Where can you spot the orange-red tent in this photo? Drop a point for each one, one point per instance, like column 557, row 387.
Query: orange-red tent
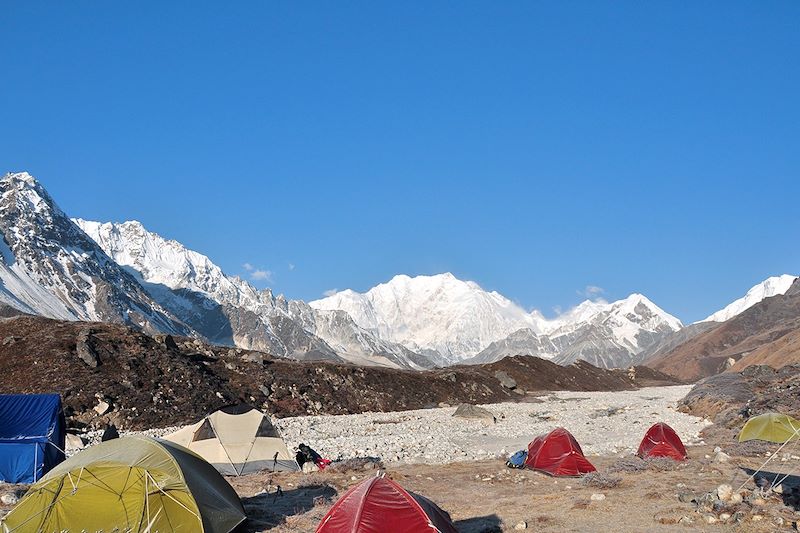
column 558, row 454
column 379, row 505
column 662, row 441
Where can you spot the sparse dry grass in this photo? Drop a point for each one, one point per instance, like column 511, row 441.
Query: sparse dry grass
column 600, row 480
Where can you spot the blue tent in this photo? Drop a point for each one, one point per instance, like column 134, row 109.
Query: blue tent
column 32, row 434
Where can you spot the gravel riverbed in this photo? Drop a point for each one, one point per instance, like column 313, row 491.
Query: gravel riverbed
column 603, row 422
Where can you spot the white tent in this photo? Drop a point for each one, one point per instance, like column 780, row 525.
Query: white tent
column 237, row 440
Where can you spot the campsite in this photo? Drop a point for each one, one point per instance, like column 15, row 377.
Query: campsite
column 399, row 267
column 649, row 481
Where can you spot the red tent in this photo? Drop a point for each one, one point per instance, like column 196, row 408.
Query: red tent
column 662, row 441
column 379, row 505
column 558, row 454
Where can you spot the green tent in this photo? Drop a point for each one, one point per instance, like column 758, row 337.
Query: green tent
column 134, row 484
column 771, row 427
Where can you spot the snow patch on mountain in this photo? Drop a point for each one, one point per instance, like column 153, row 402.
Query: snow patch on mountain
column 769, row 287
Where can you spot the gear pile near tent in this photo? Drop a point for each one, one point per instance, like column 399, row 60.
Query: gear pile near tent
column 558, row 453
column 662, row 441
column 379, row 505
column 770, row 427
column 32, row 435
column 129, row 484
column 237, row 440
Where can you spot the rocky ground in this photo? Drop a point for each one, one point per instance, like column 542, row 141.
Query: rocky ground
column 110, row 373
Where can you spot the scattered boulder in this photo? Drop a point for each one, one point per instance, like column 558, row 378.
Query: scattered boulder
column 598, row 497
column 466, row 410
column 254, row 357
column 725, row 492
column 74, row 442
column 85, row 350
column 505, row 380
column 721, row 457
column 170, row 344
column 9, row 498
column 102, row 407
column 521, row 525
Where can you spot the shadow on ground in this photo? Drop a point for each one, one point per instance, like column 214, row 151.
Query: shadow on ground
column 790, row 485
column 268, row 510
column 480, row 524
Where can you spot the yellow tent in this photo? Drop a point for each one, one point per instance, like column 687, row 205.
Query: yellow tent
column 771, row 427
column 134, row 484
column 237, row 440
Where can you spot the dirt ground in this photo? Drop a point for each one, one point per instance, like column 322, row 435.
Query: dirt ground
column 486, row 496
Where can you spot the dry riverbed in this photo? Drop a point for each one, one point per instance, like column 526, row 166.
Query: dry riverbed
column 605, row 423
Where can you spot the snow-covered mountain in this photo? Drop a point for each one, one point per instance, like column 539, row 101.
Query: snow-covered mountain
column 767, row 288
column 608, row 335
column 52, row 268
column 227, row 309
column 438, row 314
column 464, row 323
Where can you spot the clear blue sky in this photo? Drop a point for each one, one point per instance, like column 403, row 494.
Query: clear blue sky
column 533, row 147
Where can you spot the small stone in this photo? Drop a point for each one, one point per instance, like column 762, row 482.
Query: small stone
column 520, row 526
column 724, row 517
column 353, row 478
column 736, row 498
column 757, row 518
column 686, row 520
column 9, row 499
column 724, row 492
column 102, row 407
column 710, row 519
column 722, row 457
column 778, row 489
column 759, row 502
column 597, row 497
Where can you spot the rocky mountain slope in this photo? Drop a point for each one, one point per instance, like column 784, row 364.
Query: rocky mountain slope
column 139, row 381
column 50, row 267
column 766, row 332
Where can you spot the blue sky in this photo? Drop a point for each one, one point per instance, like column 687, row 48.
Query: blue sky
column 536, row 148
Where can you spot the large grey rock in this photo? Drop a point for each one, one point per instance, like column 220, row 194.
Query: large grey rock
column 85, row 350
column 466, row 410
column 505, row 380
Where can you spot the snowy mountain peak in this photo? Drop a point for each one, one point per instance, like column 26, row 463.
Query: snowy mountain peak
column 51, row 267
column 769, row 287
column 438, row 313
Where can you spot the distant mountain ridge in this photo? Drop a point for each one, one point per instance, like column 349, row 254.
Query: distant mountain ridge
column 121, row 272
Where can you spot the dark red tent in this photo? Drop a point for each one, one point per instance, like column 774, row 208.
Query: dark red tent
column 662, row 441
column 558, row 454
column 379, row 505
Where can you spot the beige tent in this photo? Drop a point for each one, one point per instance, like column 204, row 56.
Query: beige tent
column 237, row 440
